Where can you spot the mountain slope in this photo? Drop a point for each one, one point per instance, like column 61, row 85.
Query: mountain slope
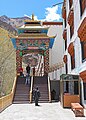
column 15, row 22
column 11, row 24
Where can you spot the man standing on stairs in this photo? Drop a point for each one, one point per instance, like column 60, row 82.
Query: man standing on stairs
column 27, row 81
column 36, row 95
column 28, row 69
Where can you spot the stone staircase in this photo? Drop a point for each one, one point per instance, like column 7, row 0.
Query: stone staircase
column 42, row 83
column 21, row 92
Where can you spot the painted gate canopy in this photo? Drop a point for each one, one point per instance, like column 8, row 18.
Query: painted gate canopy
column 31, row 59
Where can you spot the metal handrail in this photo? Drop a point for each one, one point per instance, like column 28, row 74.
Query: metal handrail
column 14, row 87
column 31, row 89
column 49, row 89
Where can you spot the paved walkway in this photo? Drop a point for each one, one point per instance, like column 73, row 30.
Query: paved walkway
column 46, row 111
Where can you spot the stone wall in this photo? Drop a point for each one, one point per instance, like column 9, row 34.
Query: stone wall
column 7, row 63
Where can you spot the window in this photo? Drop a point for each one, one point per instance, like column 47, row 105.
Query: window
column 71, row 30
column 76, row 88
column 65, row 44
column 84, row 84
column 72, row 61
column 71, row 87
column 82, row 6
column 67, row 86
column 66, row 68
column 65, row 23
column 83, row 45
column 70, row 3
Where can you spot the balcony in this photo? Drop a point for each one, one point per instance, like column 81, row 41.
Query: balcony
column 71, row 49
column 83, row 5
column 83, row 76
column 71, row 17
column 70, row 3
column 64, row 10
column 65, row 34
column 65, row 58
column 82, row 30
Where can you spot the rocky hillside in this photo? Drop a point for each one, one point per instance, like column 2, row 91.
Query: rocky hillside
column 7, row 52
column 7, row 63
column 15, row 22
column 11, row 24
column 8, row 27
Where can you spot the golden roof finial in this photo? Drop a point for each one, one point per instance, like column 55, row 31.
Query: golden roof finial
column 32, row 16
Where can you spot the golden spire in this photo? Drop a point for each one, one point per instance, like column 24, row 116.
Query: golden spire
column 32, row 16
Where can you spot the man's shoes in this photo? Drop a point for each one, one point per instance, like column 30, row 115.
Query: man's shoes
column 37, row 105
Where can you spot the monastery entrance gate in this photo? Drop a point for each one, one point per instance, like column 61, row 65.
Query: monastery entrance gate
column 27, row 46
column 32, row 37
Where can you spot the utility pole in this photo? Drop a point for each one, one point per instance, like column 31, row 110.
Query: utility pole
column 58, row 3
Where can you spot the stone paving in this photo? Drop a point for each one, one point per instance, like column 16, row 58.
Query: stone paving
column 46, row 111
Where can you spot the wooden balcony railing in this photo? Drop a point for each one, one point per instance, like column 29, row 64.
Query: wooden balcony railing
column 70, row 3
column 82, row 30
column 64, row 10
column 71, row 17
column 83, row 6
column 71, row 49
column 83, row 75
column 5, row 101
column 65, row 58
column 65, row 34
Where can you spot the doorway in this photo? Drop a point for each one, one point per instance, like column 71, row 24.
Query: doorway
column 84, row 84
column 55, row 90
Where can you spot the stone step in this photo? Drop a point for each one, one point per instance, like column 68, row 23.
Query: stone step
column 21, row 99
column 19, row 96
column 21, row 102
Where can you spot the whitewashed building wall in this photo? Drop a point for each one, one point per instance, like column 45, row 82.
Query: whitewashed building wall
column 56, row 53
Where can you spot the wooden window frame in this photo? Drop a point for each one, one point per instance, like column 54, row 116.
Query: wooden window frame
column 71, row 30
column 83, row 46
column 66, row 68
column 65, row 24
column 72, row 61
column 65, row 44
column 70, row 3
column 82, row 6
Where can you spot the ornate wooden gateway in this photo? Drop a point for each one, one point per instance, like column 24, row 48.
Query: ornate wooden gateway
column 32, row 38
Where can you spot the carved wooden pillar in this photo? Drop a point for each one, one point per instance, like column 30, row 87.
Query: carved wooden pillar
column 18, row 61
column 18, row 58
column 46, row 62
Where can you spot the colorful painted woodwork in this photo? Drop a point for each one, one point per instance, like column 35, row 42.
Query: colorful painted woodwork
column 33, row 38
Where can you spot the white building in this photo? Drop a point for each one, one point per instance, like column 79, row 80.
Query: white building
column 56, row 52
column 74, row 34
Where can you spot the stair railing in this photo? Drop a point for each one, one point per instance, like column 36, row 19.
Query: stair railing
column 31, row 89
column 6, row 101
column 49, row 89
column 14, row 88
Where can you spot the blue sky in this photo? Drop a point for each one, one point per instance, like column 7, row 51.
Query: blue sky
column 42, row 9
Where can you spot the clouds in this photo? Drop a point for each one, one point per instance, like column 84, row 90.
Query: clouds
column 51, row 14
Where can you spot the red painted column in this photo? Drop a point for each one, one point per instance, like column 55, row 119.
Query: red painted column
column 18, row 61
column 46, row 62
column 18, row 58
